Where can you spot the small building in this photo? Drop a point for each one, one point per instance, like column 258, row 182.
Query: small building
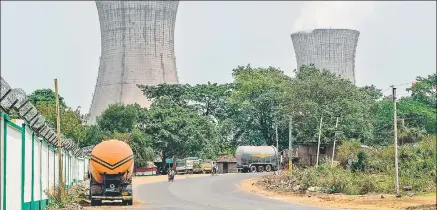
column 226, row 164
column 305, row 153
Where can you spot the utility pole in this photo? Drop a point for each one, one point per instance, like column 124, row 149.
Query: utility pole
column 290, row 146
column 396, row 142
column 318, row 144
column 335, row 139
column 277, row 146
column 58, row 126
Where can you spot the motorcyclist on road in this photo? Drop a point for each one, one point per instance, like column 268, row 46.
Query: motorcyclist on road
column 171, row 174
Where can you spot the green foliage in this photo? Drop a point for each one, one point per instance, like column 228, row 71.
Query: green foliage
column 419, row 119
column 346, row 150
column 121, row 118
column 318, row 93
column 179, row 131
column 176, row 93
column 361, row 163
column 47, row 96
column 424, row 90
column 373, row 92
column 256, row 103
column 44, row 101
column 211, row 99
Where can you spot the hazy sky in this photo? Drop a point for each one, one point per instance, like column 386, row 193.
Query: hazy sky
column 41, row 41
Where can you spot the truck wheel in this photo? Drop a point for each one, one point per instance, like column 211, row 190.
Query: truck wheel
column 260, row 168
column 96, row 202
column 253, row 169
column 268, row 168
column 127, row 202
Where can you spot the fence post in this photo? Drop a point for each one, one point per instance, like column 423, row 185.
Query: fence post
column 32, row 180
column 4, row 159
column 23, row 163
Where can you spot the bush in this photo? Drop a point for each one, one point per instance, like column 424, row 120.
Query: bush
column 71, row 196
column 346, row 149
column 372, row 172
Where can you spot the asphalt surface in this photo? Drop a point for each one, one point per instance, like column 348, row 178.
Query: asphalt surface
column 210, row 192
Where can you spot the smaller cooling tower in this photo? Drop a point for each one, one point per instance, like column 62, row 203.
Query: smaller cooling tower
column 330, row 49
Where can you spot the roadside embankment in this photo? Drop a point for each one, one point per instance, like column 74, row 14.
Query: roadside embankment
column 335, row 201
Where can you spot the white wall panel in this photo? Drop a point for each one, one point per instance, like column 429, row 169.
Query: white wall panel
column 13, row 168
column 44, row 170
column 37, row 171
column 28, row 167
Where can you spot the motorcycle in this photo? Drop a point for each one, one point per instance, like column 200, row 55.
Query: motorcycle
column 171, row 176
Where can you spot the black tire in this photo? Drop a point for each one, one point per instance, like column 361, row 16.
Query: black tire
column 126, row 202
column 260, row 168
column 96, row 202
column 268, row 168
column 253, row 169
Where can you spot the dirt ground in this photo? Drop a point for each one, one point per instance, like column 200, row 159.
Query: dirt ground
column 137, row 181
column 389, row 202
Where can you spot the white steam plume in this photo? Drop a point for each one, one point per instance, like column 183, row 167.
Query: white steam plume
column 335, row 14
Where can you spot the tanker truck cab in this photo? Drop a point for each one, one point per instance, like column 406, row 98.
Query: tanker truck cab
column 111, row 169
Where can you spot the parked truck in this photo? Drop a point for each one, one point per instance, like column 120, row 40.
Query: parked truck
column 202, row 166
column 257, row 158
column 110, row 172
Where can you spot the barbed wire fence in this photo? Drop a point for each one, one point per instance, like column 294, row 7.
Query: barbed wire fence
column 17, row 100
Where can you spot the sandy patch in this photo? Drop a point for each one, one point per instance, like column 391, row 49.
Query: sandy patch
column 371, row 202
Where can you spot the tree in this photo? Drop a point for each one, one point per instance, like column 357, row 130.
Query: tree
column 316, row 93
column 93, row 135
column 372, row 92
column 177, row 93
column 210, row 99
column 256, row 103
column 424, row 90
column 47, row 96
column 415, row 119
column 44, row 101
column 121, row 118
column 179, row 131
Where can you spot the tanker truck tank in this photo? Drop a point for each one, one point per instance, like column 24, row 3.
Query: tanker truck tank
column 257, row 158
column 110, row 171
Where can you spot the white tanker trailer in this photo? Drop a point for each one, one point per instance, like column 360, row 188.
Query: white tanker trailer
column 257, row 158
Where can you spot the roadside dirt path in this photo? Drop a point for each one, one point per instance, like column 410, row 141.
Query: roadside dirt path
column 371, row 202
column 138, row 181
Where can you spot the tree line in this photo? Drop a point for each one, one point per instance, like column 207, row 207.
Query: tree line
column 204, row 120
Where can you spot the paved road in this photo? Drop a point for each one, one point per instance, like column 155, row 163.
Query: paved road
column 211, row 192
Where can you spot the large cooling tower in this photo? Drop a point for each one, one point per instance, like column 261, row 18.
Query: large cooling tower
column 137, row 39
column 331, row 49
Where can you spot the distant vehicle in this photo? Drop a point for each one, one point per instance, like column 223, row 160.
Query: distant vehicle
column 202, row 166
column 257, row 158
column 110, row 171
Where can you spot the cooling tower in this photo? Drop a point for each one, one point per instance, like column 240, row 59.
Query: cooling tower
column 330, row 49
column 137, row 47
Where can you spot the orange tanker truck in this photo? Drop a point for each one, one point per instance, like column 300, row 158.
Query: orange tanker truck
column 110, row 172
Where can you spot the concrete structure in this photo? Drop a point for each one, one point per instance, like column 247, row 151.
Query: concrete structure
column 137, row 39
column 331, row 49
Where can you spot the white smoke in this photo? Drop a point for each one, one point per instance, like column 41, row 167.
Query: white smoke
column 335, row 14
